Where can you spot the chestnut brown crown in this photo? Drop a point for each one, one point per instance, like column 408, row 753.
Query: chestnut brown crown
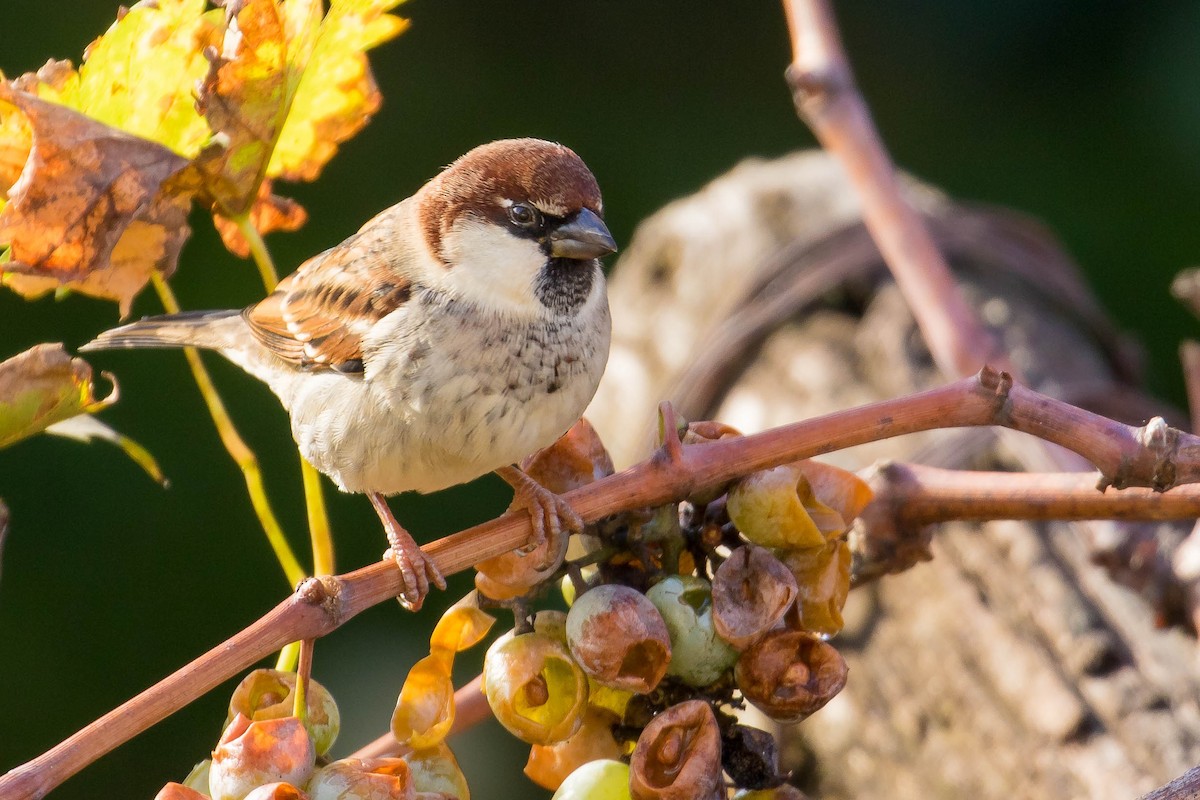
column 484, row 181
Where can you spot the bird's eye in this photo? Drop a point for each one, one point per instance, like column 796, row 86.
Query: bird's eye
column 524, row 216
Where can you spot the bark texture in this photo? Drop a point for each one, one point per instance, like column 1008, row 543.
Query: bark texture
column 1011, row 665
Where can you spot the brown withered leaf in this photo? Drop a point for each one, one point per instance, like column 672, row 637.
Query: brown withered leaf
column 270, row 212
column 94, row 209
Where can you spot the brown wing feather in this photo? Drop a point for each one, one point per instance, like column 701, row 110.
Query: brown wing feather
column 318, row 316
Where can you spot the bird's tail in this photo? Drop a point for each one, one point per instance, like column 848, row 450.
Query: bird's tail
column 210, row 329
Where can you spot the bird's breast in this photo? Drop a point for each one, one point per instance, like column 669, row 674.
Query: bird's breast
column 450, row 394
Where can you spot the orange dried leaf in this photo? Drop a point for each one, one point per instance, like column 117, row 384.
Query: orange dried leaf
column 94, row 209
column 270, row 212
column 550, row 764
column 177, row 791
column 425, row 709
column 284, row 88
column 42, row 386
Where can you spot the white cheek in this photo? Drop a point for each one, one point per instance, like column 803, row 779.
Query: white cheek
column 493, row 267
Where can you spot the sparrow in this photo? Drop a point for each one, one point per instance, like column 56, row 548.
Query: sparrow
column 457, row 332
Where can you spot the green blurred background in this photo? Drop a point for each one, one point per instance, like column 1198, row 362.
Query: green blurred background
column 1086, row 115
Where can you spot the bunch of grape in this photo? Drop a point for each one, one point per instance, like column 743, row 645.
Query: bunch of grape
column 677, row 617
column 267, row 752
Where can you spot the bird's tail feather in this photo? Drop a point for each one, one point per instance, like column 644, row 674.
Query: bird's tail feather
column 187, row 329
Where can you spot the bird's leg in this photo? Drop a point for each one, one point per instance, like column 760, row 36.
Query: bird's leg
column 416, row 569
column 549, row 512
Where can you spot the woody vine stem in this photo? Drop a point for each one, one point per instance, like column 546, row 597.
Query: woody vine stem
column 1154, row 456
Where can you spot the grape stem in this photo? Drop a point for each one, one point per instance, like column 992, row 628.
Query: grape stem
column 1154, row 456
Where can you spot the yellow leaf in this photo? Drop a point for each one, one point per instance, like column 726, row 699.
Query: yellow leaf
column 140, row 76
column 244, row 99
column 85, row 428
column 335, row 94
column 42, row 386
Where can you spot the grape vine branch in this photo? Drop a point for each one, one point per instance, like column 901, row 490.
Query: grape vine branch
column 1155, row 456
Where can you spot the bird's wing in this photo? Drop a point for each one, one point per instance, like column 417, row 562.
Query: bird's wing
column 319, row 315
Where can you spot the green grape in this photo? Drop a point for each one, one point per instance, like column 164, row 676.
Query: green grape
column 596, row 780
column 699, row 656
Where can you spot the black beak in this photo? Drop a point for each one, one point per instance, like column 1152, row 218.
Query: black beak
column 584, row 237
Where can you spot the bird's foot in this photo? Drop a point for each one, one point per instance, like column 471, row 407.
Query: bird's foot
column 550, row 513
column 417, row 570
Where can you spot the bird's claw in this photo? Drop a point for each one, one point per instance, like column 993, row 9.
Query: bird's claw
column 549, row 513
column 417, row 572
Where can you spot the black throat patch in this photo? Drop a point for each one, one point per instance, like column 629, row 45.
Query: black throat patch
column 563, row 285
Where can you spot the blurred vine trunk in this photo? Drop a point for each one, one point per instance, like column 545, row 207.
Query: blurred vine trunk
column 1011, row 665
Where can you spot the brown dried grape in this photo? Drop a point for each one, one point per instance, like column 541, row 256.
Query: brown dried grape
column 843, row 491
column 251, row 754
column 790, row 674
column 363, row 779
column 678, row 755
column 549, row 765
column 270, row 694
column 823, row 577
column 750, row 757
column 751, row 592
column 576, row 459
column 619, row 638
column 535, row 689
column 435, row 770
column 700, row 433
column 516, row 572
column 776, row 508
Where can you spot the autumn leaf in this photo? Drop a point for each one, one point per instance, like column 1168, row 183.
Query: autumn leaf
column 270, row 212
column 42, row 386
column 285, row 87
column 336, row 94
column 94, row 209
column 45, row 390
column 244, row 99
column 140, row 76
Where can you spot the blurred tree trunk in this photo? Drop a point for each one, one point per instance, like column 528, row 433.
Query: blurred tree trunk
column 1009, row 666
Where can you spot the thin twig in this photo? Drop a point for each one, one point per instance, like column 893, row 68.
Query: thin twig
column 1154, row 455
column 319, row 532
column 829, row 102
column 241, row 453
